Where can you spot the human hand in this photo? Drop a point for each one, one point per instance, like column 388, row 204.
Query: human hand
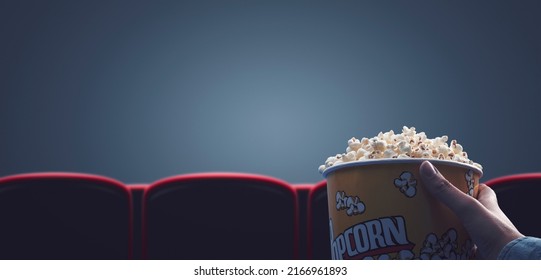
column 487, row 225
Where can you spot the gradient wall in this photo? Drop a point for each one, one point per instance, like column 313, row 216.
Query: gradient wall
column 140, row 90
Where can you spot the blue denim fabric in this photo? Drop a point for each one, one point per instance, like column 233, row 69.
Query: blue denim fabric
column 524, row 248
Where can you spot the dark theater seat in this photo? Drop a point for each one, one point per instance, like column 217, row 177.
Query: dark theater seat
column 220, row 216
column 64, row 216
column 302, row 200
column 319, row 244
column 519, row 197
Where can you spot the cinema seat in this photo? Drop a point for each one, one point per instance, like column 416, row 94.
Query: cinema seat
column 137, row 191
column 519, row 196
column 302, row 200
column 64, row 216
column 220, row 216
column 319, row 247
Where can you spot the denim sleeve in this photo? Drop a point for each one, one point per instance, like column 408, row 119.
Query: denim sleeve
column 524, row 248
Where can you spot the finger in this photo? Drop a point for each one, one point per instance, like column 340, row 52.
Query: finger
column 460, row 203
column 487, row 197
column 486, row 228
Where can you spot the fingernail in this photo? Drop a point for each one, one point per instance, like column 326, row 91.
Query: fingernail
column 432, row 170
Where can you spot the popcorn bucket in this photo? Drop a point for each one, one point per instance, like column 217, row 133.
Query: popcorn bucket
column 379, row 209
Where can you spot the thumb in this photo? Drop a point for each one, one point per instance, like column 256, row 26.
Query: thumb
column 460, row 203
column 490, row 231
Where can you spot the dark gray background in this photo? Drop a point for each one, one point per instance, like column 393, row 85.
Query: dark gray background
column 141, row 90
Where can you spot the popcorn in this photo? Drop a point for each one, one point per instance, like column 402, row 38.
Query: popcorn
column 406, row 184
column 408, row 144
column 445, row 248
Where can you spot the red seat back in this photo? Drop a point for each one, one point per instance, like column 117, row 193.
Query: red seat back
column 519, row 196
column 220, row 216
column 319, row 244
column 64, row 216
column 302, row 197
